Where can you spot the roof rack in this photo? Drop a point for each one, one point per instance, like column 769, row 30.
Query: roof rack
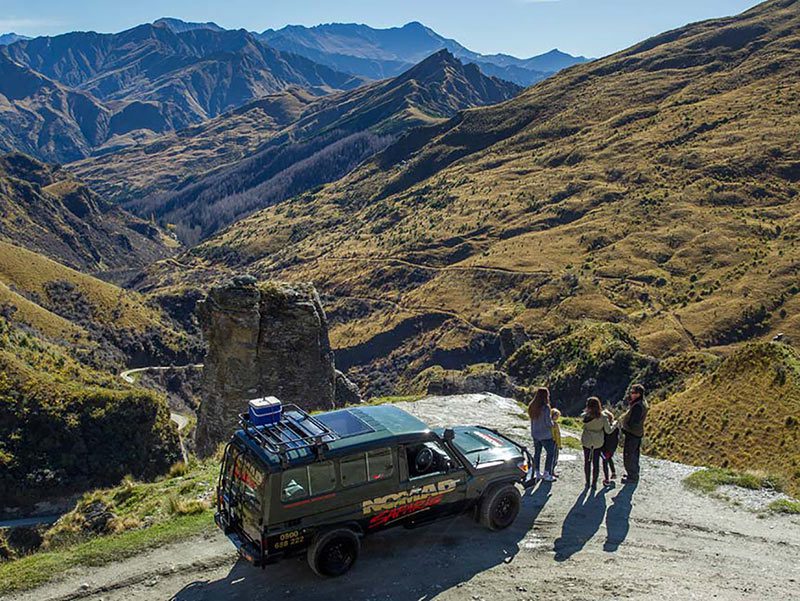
column 297, row 430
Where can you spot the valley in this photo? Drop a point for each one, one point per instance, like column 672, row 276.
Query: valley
column 440, row 229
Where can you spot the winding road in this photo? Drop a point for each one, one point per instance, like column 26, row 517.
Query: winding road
column 181, row 421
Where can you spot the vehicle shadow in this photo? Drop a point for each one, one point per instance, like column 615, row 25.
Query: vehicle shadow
column 398, row 564
column 618, row 518
column 581, row 524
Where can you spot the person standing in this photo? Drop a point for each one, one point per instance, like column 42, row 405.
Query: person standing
column 539, row 412
column 632, row 425
column 596, row 425
column 607, row 452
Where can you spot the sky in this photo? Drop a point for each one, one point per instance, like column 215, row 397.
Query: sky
column 522, row 28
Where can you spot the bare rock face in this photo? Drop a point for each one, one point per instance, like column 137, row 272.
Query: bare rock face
column 263, row 340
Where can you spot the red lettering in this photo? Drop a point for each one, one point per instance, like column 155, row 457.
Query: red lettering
column 390, row 515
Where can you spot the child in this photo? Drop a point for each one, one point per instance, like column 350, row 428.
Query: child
column 556, row 415
column 610, row 445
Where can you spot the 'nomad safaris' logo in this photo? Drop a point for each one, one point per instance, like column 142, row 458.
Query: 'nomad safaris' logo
column 401, row 504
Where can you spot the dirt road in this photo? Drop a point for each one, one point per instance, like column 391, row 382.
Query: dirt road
column 655, row 541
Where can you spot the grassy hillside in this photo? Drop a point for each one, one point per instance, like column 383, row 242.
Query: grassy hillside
column 744, row 416
column 100, row 323
column 247, row 160
column 45, row 209
column 65, row 427
column 655, row 188
column 177, row 159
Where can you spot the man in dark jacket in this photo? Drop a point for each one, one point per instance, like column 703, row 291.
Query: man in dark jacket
column 632, row 424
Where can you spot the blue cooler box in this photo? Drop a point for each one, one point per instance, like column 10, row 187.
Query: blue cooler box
column 265, row 412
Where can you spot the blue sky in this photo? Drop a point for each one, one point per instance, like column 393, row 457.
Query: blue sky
column 519, row 27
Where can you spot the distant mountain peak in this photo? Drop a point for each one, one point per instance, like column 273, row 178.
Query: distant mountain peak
column 11, row 37
column 179, row 25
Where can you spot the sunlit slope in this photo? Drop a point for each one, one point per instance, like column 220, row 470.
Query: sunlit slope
column 744, row 416
column 656, row 187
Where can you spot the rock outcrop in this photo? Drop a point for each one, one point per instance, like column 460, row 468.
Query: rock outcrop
column 267, row 339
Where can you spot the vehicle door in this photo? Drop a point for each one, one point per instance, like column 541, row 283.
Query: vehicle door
column 435, row 481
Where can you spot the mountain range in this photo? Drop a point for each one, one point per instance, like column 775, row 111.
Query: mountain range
column 208, row 177
column 380, row 53
column 655, row 188
column 83, row 93
column 72, row 94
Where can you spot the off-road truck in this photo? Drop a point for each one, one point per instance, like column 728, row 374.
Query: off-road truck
column 318, row 484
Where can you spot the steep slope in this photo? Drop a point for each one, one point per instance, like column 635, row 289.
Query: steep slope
column 65, row 427
column 329, row 138
column 145, row 80
column 379, row 53
column 96, row 322
column 743, row 416
column 41, row 117
column 656, row 187
column 45, row 209
column 175, row 160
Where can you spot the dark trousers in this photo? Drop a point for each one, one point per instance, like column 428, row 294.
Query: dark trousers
column 608, row 462
column 549, row 447
column 591, row 465
column 630, row 455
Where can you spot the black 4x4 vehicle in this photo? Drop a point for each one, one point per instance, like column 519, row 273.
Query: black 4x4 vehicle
column 317, row 484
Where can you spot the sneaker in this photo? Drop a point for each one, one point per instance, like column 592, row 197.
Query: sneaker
column 548, row 477
column 537, row 475
column 606, row 482
column 628, row 479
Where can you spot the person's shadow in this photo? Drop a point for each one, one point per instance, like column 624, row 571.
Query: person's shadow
column 618, row 518
column 581, row 524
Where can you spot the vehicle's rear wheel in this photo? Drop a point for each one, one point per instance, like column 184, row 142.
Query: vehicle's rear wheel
column 334, row 552
column 500, row 507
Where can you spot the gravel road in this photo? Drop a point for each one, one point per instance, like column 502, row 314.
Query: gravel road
column 654, row 541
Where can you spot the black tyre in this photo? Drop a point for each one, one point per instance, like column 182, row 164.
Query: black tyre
column 500, row 507
column 334, row 552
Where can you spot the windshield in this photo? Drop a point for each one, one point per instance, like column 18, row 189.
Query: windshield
column 481, row 446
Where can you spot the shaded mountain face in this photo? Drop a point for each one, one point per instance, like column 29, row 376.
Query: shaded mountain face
column 46, row 210
column 656, row 188
column 132, row 85
column 326, row 139
column 379, row 53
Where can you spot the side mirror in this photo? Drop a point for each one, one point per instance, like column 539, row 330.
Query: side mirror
column 449, row 434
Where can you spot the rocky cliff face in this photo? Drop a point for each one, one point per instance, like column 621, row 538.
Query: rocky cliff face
column 263, row 339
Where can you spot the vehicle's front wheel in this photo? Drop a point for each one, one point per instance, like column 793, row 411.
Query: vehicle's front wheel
column 334, row 552
column 500, row 507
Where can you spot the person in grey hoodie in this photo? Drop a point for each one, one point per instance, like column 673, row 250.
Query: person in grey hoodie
column 539, row 412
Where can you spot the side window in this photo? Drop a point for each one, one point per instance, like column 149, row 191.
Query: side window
column 380, row 464
column 294, row 484
column 246, row 477
column 353, row 470
column 321, row 477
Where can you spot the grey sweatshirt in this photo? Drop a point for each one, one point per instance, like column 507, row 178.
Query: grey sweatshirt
column 542, row 427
